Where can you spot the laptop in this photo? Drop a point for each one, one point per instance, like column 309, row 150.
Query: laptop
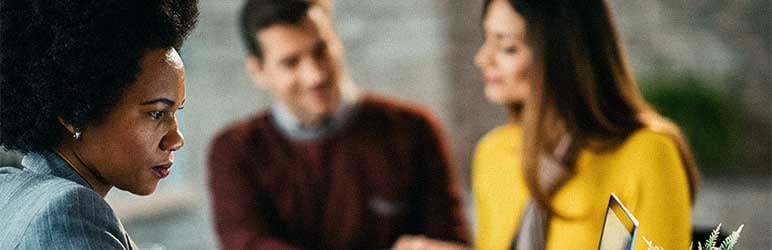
column 619, row 227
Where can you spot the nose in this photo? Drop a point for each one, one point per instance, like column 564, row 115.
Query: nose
column 482, row 58
column 315, row 72
column 173, row 140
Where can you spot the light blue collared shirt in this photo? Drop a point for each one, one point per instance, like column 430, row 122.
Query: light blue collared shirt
column 288, row 123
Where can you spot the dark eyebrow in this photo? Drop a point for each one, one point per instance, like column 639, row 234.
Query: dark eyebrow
column 161, row 100
column 502, row 36
column 289, row 59
column 320, row 45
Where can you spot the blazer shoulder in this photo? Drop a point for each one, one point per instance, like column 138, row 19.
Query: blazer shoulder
column 505, row 136
column 20, row 188
column 52, row 211
column 36, row 191
column 646, row 143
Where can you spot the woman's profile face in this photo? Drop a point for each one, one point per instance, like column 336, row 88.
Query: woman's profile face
column 132, row 148
column 506, row 58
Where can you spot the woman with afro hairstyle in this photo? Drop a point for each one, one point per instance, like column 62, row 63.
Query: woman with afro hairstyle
column 88, row 93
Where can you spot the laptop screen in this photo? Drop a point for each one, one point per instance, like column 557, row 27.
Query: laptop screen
column 619, row 227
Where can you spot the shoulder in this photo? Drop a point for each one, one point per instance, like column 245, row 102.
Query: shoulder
column 237, row 133
column 505, row 138
column 73, row 202
column 51, row 211
column 381, row 105
column 507, row 134
column 239, row 144
column 244, row 126
column 396, row 111
column 650, row 152
column 497, row 155
column 33, row 190
column 646, row 142
column 79, row 218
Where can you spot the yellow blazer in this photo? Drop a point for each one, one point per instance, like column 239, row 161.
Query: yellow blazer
column 646, row 173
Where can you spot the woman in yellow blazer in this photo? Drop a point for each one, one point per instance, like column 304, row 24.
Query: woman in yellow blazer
column 583, row 131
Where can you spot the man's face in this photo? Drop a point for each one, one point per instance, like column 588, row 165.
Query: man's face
column 301, row 67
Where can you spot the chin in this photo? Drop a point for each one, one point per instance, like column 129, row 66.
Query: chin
column 500, row 98
column 496, row 99
column 144, row 191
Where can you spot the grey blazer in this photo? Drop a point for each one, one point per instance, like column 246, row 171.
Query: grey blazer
column 45, row 204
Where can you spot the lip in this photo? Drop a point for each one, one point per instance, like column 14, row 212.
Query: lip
column 321, row 89
column 492, row 79
column 320, row 93
column 162, row 170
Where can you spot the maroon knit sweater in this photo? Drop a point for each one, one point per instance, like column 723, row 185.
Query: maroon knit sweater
column 385, row 173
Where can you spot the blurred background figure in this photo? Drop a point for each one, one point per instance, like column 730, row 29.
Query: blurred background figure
column 712, row 55
column 89, row 92
column 586, row 133
column 325, row 167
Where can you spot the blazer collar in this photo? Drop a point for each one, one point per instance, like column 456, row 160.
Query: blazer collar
column 50, row 163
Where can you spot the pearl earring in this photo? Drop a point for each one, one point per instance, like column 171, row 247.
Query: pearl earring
column 77, row 134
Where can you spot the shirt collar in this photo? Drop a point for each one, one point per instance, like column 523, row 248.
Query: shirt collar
column 49, row 163
column 290, row 125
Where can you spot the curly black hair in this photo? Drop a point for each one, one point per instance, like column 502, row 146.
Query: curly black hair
column 73, row 59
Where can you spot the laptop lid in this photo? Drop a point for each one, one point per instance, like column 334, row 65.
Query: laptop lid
column 619, row 227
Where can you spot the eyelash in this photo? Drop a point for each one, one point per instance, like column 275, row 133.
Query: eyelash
column 510, row 50
column 157, row 115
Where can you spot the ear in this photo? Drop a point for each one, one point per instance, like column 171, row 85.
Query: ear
column 67, row 125
column 254, row 68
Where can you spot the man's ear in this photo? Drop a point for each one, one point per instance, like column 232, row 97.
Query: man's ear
column 254, row 68
column 67, row 125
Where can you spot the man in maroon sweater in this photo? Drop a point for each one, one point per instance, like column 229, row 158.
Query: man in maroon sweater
column 325, row 168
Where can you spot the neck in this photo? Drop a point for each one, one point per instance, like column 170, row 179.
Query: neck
column 311, row 120
column 315, row 122
column 88, row 173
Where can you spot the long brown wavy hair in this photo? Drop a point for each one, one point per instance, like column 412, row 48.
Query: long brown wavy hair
column 584, row 86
